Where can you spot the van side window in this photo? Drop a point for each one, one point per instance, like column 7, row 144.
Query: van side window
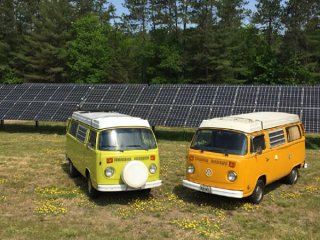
column 257, row 142
column 293, row 133
column 73, row 128
column 81, row 133
column 92, row 139
column 276, row 138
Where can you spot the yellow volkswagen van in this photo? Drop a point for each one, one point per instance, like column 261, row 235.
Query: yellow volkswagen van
column 237, row 156
column 113, row 151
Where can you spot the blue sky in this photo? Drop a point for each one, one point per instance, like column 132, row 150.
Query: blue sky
column 121, row 9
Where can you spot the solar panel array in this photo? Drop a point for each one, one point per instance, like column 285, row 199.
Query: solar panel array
column 162, row 105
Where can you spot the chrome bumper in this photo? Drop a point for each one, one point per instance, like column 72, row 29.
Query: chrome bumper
column 123, row 187
column 213, row 190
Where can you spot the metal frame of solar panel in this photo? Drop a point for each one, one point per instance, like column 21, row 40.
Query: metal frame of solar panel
column 162, row 105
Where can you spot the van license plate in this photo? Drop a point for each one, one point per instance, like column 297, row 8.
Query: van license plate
column 204, row 188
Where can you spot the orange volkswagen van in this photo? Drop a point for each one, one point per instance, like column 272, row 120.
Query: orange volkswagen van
column 237, row 156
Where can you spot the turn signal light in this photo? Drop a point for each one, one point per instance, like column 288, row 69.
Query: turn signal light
column 152, row 157
column 109, row 160
column 232, row 164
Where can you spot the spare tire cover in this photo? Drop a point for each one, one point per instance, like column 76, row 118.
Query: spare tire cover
column 135, row 174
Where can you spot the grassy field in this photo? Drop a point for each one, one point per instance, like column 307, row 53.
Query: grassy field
column 38, row 200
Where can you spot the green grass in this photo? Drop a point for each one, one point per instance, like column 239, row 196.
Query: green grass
column 38, row 200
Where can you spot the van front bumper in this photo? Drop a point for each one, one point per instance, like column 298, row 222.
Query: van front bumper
column 212, row 190
column 124, row 187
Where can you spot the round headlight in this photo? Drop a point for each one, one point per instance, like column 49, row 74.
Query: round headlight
column 232, row 176
column 109, row 171
column 190, row 169
column 152, row 168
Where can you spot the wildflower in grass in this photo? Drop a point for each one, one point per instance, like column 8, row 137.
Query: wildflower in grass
column 55, row 192
column 204, row 226
column 317, row 179
column 50, row 207
column 164, row 170
column 3, row 180
column 290, row 195
column 249, row 207
column 151, row 205
column 3, row 198
column 312, row 189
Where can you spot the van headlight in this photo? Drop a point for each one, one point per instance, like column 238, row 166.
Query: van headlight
column 232, row 176
column 152, row 168
column 109, row 171
column 190, row 169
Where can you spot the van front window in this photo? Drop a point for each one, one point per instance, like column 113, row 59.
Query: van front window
column 220, row 141
column 127, row 139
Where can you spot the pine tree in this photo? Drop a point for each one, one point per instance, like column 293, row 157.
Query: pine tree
column 42, row 56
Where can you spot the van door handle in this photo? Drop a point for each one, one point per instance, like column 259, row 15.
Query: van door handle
column 267, row 159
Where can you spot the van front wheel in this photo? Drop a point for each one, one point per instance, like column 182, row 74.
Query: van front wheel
column 92, row 192
column 258, row 192
column 292, row 178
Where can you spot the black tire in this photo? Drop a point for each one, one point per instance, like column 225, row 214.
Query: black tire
column 292, row 177
column 258, row 192
column 92, row 192
column 73, row 172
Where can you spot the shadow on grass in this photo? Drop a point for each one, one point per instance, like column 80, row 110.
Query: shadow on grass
column 216, row 201
column 107, row 198
column 32, row 128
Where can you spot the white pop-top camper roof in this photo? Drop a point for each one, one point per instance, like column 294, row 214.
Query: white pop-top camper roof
column 101, row 120
column 251, row 122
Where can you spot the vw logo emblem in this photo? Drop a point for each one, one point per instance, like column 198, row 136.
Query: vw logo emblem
column 208, row 172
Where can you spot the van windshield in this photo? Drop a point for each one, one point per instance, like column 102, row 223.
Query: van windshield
column 220, row 141
column 127, row 139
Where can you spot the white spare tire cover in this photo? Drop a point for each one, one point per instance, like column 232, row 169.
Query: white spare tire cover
column 135, row 174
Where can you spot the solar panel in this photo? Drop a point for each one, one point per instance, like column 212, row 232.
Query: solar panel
column 205, row 95
column 141, row 111
column 197, row 114
column 220, row 111
column 148, row 95
column 162, row 105
column 167, row 95
column 47, row 112
column 177, row 116
column 158, row 115
column 246, row 96
column 225, row 96
column 310, row 118
column 131, row 94
column 5, row 90
column 31, row 111
column 16, row 110
column 185, row 96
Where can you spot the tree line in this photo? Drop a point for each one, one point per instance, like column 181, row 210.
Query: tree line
column 160, row 41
